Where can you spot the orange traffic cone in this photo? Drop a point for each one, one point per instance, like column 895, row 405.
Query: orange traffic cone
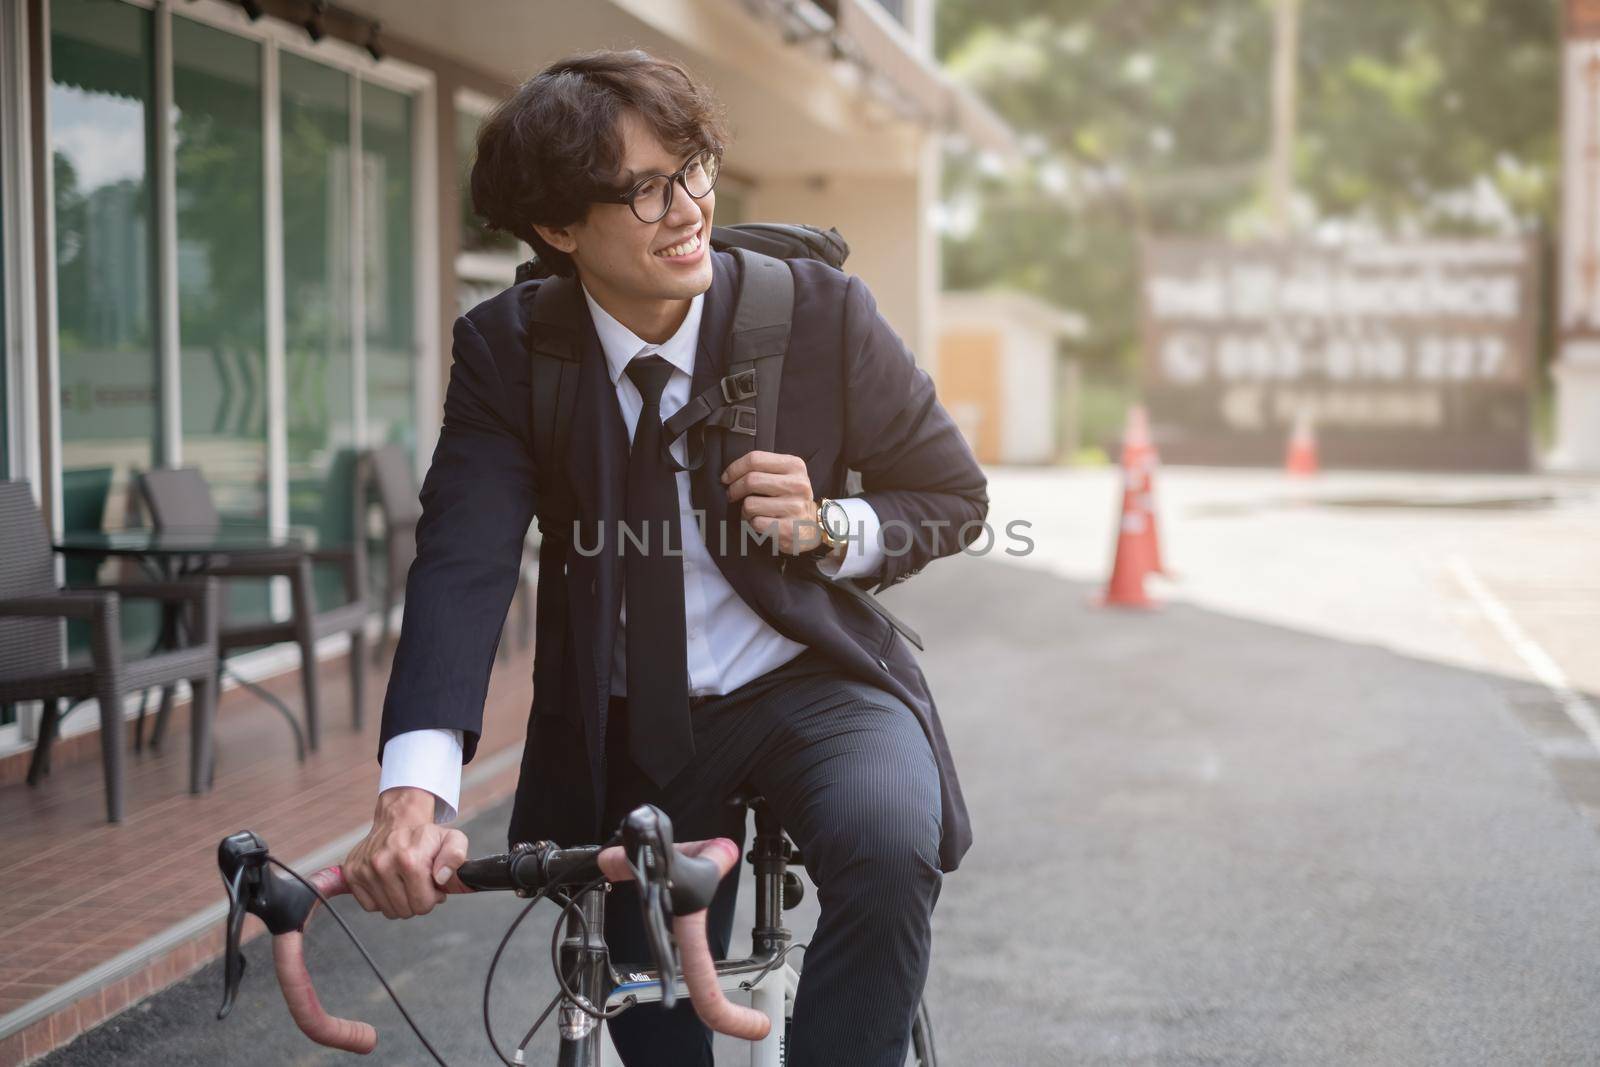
column 1302, row 458
column 1135, row 549
column 1139, row 452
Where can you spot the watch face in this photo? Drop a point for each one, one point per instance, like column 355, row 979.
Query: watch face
column 836, row 520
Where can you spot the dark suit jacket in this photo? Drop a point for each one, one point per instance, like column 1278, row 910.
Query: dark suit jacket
column 851, row 398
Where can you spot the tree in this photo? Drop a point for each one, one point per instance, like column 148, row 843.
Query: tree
column 1153, row 117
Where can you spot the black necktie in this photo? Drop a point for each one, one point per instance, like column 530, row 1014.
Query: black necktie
column 661, row 738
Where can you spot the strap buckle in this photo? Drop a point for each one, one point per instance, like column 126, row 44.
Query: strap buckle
column 744, row 419
column 742, row 384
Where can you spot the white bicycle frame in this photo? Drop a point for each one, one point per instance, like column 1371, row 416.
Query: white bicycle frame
column 773, row 996
column 766, row 975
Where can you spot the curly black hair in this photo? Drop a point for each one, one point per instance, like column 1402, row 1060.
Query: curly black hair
column 552, row 145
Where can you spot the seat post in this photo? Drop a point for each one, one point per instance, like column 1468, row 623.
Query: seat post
column 770, row 857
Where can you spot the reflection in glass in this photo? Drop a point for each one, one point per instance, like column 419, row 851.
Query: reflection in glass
column 8, row 712
column 486, row 260
column 101, row 143
column 217, row 147
column 475, row 236
column 316, row 287
column 388, row 266
column 5, row 411
column 221, row 293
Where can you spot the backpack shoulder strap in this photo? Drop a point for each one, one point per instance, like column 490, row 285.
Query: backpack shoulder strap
column 762, row 317
column 553, row 356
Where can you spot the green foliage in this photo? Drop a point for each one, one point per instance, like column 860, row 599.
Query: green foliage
column 1154, row 117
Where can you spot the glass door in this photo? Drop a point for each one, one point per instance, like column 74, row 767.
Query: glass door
column 102, row 149
column 315, row 109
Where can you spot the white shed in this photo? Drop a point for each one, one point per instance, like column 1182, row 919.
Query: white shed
column 997, row 372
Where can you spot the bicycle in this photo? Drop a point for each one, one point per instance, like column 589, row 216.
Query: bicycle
column 680, row 880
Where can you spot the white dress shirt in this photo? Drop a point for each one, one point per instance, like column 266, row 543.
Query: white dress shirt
column 728, row 643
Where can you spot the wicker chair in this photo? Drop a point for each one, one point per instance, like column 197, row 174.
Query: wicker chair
column 386, row 475
column 32, row 648
column 180, row 499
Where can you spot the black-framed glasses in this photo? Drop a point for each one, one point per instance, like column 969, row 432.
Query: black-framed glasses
column 651, row 198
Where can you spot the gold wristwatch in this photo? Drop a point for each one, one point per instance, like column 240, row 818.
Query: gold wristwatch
column 834, row 523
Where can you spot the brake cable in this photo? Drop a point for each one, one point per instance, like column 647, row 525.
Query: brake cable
column 356, row 941
column 569, row 904
column 285, row 905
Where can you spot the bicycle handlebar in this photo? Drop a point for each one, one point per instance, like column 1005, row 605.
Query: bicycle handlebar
column 305, row 1007
column 678, row 879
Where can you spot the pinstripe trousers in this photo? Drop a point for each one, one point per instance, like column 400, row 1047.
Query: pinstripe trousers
column 848, row 771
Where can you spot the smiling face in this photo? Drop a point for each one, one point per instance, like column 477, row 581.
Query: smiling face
column 645, row 274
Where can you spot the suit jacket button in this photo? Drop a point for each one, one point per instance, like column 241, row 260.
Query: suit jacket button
column 882, row 664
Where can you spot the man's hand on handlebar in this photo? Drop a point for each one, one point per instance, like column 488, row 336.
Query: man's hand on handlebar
column 407, row 862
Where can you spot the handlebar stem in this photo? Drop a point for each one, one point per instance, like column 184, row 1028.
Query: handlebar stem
column 585, row 956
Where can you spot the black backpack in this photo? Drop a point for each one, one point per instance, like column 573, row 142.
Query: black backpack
column 762, row 316
column 744, row 402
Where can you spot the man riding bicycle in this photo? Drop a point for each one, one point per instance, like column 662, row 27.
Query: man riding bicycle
column 694, row 633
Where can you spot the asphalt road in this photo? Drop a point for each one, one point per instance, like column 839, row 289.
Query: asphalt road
column 1200, row 839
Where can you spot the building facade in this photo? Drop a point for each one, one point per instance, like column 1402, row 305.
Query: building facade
column 235, row 237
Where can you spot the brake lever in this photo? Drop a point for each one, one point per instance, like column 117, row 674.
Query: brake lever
column 233, row 961
column 686, row 882
column 279, row 901
column 647, row 842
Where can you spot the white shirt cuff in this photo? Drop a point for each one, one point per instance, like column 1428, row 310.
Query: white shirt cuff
column 426, row 759
column 863, row 551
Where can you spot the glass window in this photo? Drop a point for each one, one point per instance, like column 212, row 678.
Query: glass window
column 8, row 711
column 486, row 261
column 217, row 160
column 317, row 280
column 216, row 80
column 5, row 368
column 101, row 143
column 388, row 267
column 475, row 237
column 102, row 137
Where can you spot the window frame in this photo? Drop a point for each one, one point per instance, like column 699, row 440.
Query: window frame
column 19, row 328
column 276, row 37
column 42, row 466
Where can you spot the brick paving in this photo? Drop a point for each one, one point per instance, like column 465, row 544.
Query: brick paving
column 68, row 913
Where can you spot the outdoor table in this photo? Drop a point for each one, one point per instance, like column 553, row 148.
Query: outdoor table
column 172, row 553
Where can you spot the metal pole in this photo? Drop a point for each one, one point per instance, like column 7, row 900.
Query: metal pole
column 170, row 447
column 1280, row 177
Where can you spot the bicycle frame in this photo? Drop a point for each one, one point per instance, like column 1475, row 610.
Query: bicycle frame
column 771, row 984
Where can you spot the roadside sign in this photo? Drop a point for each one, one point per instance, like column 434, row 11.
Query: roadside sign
column 1413, row 355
